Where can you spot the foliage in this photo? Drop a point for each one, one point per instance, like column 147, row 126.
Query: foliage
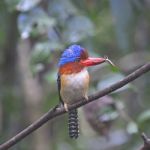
column 118, row 29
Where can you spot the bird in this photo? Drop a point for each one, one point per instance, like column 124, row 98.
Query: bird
column 73, row 81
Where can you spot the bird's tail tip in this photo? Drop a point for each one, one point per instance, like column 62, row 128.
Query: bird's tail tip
column 73, row 124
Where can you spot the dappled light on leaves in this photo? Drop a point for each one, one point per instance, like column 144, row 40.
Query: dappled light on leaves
column 26, row 5
column 35, row 22
column 33, row 35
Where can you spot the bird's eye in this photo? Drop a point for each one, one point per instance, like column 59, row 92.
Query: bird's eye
column 77, row 59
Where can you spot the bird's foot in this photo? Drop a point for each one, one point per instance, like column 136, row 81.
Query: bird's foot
column 86, row 98
column 58, row 106
column 66, row 107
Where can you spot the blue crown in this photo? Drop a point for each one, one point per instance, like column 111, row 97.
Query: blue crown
column 71, row 54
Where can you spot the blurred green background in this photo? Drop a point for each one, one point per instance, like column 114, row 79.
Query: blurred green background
column 33, row 34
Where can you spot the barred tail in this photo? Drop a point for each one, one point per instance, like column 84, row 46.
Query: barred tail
column 73, row 124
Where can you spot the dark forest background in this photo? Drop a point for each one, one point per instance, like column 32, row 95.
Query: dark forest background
column 33, row 33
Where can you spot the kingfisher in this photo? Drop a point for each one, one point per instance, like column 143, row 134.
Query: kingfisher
column 73, row 81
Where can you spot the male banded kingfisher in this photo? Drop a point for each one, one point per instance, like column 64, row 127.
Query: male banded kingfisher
column 73, row 81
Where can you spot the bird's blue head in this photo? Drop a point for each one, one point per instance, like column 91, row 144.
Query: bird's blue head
column 71, row 54
column 77, row 55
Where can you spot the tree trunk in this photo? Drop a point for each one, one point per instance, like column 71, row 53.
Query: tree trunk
column 33, row 96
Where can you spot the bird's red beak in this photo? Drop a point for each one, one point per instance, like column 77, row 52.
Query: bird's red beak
column 92, row 61
column 95, row 61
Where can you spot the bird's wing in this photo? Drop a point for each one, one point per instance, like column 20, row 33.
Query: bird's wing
column 59, row 87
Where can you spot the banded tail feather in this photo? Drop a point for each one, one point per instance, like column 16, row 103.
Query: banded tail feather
column 73, row 124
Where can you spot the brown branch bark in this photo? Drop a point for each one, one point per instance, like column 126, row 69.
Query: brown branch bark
column 54, row 112
column 146, row 142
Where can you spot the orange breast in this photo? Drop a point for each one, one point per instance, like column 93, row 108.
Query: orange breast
column 71, row 68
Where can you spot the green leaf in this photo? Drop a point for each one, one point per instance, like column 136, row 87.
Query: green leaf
column 36, row 22
column 51, row 77
column 26, row 5
column 62, row 10
column 11, row 4
column 144, row 116
column 132, row 127
column 111, row 79
column 114, row 69
column 41, row 53
column 78, row 28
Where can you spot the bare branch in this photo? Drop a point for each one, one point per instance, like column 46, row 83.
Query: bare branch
column 146, row 142
column 54, row 112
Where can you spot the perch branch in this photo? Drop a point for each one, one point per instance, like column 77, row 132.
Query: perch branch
column 58, row 110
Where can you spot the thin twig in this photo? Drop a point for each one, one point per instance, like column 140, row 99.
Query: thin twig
column 52, row 113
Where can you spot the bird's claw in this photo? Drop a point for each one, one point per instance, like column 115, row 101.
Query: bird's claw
column 86, row 98
column 66, row 107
